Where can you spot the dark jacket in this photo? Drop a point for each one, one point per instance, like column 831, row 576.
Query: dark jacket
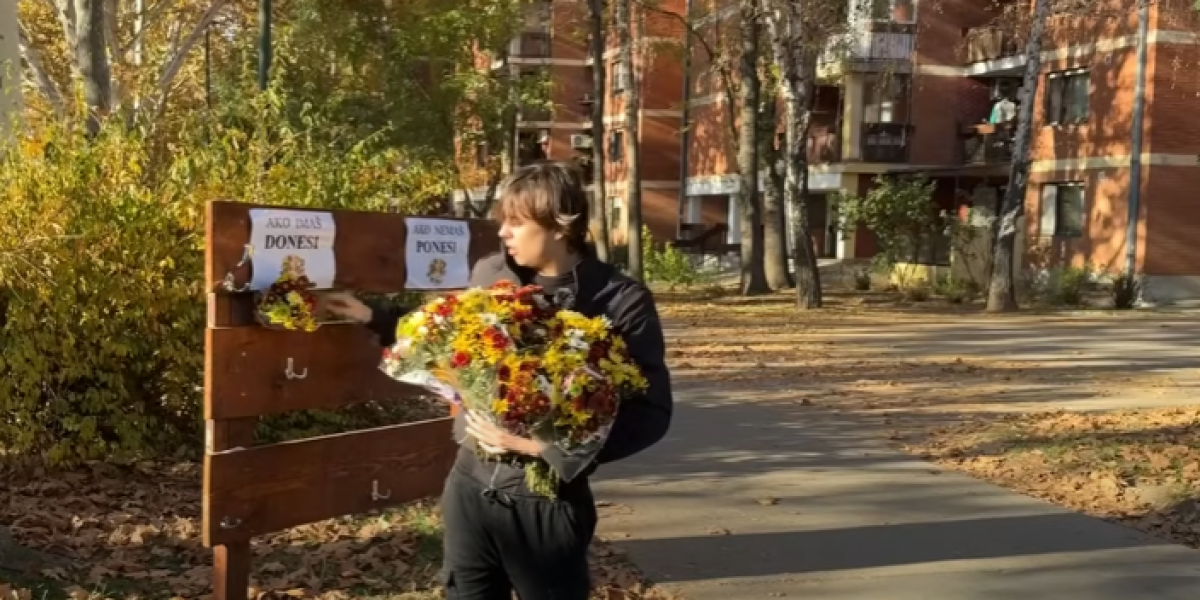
column 600, row 289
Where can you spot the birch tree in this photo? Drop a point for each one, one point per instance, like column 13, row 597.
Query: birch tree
column 94, row 36
column 625, row 25
column 796, row 32
column 775, row 246
column 1002, row 295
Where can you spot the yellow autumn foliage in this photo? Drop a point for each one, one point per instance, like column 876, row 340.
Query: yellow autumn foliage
column 101, row 275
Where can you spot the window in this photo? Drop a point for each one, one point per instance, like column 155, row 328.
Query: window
column 616, row 146
column 885, row 98
column 616, row 213
column 619, row 73
column 893, row 11
column 1062, row 210
column 1067, row 97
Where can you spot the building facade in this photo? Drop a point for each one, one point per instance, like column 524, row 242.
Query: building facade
column 934, row 92
column 555, row 46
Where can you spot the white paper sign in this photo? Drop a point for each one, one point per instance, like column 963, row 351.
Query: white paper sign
column 299, row 241
column 436, row 254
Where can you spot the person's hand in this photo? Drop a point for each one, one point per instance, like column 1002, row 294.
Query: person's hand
column 495, row 440
column 346, row 306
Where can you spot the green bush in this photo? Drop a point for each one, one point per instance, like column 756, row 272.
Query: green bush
column 101, row 274
column 1064, row 286
column 664, row 263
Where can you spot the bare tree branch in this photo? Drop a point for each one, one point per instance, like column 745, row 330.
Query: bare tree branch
column 150, row 15
column 163, row 88
column 33, row 62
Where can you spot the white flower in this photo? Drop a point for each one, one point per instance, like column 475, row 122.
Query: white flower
column 489, row 319
column 422, row 330
column 575, row 340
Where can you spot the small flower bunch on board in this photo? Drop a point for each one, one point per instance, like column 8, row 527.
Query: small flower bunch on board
column 517, row 358
column 289, row 304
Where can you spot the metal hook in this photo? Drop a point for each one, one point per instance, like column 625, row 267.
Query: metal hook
column 290, row 373
column 228, row 523
column 375, row 495
column 247, row 252
column 230, row 284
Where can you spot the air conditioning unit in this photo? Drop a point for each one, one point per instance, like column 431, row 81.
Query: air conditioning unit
column 580, row 141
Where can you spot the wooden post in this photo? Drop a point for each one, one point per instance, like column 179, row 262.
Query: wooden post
column 249, row 489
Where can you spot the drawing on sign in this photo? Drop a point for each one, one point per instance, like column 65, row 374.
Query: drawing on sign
column 292, row 242
column 436, row 254
column 437, row 271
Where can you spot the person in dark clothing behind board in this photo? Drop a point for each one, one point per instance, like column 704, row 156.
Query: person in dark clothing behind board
column 500, row 536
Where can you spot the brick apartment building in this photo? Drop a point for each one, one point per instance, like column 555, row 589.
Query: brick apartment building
column 555, row 44
column 915, row 93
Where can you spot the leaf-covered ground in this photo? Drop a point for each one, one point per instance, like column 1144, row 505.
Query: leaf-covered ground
column 133, row 533
column 1140, row 468
column 939, row 384
column 127, row 534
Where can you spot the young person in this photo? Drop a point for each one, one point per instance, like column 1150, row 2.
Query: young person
column 500, row 536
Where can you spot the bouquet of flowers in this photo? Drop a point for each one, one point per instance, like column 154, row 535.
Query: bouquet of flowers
column 511, row 355
column 288, row 304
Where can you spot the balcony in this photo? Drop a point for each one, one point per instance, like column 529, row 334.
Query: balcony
column 986, row 144
column 885, row 142
column 992, row 51
column 824, row 145
column 531, row 44
column 874, row 47
column 535, row 114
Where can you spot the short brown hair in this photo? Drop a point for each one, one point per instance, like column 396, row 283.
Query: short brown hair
column 550, row 194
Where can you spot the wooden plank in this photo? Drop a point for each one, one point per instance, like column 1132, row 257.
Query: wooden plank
column 232, row 560
column 369, row 246
column 247, row 371
column 271, row 488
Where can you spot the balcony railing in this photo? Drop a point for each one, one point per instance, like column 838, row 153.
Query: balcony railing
column 531, row 45
column 534, row 114
column 885, row 142
column 990, row 43
column 880, row 42
column 986, row 144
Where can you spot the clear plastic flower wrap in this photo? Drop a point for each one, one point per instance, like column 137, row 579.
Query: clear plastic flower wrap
column 514, row 356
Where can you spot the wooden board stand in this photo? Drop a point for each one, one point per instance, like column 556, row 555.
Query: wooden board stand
column 251, row 371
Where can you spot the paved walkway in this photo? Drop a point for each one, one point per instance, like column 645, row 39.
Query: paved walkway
column 760, row 500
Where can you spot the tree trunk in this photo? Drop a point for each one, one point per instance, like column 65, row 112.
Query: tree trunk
column 775, row 247
column 1002, row 290
column 597, row 213
column 91, row 54
column 796, row 62
column 754, row 279
column 633, row 175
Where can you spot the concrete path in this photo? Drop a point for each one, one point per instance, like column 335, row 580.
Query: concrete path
column 752, row 500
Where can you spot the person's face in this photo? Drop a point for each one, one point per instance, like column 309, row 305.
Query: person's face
column 530, row 244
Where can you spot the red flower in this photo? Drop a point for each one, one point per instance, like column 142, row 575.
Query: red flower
column 496, row 338
column 460, row 359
